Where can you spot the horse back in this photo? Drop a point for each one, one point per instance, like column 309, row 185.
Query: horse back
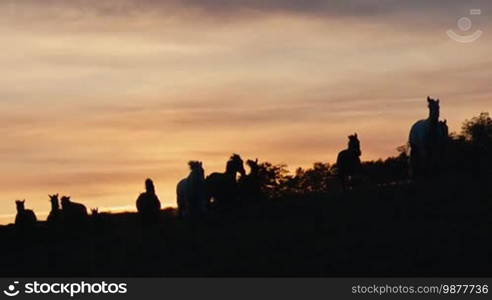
column 341, row 157
column 348, row 162
column 76, row 210
column 418, row 133
column 214, row 181
column 139, row 202
column 26, row 218
column 31, row 216
column 148, row 202
column 181, row 187
column 214, row 177
column 80, row 209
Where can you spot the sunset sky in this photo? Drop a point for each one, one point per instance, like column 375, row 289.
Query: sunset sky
column 97, row 95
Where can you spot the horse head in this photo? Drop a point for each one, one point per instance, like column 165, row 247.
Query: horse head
column 149, row 186
column 196, row 168
column 54, row 201
column 65, row 201
column 235, row 165
column 20, row 204
column 354, row 144
column 253, row 166
column 433, row 106
column 443, row 125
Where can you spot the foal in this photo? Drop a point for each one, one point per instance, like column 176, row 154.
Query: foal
column 25, row 218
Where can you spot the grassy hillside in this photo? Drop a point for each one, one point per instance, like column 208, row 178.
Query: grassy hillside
column 439, row 227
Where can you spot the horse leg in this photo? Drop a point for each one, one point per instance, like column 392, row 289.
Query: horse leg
column 415, row 165
column 343, row 182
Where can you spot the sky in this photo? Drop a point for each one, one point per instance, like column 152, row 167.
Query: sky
column 98, row 95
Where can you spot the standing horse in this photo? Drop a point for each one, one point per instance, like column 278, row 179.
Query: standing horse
column 250, row 185
column 427, row 141
column 190, row 192
column 222, row 188
column 348, row 161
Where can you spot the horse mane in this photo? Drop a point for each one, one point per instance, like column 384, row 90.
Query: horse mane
column 234, row 157
column 253, row 165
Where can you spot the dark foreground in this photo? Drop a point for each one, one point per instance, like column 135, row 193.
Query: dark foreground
column 440, row 227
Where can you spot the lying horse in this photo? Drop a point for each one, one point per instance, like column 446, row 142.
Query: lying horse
column 148, row 204
column 25, row 218
column 74, row 214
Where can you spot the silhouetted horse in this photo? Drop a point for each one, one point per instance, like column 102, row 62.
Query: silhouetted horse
column 222, row 187
column 444, row 127
column 74, row 214
column 428, row 139
column 98, row 221
column 25, row 218
column 94, row 212
column 348, row 162
column 250, row 184
column 148, row 204
column 190, row 192
column 55, row 215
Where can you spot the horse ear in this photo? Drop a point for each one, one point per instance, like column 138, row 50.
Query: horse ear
column 355, row 134
column 437, row 101
column 428, row 99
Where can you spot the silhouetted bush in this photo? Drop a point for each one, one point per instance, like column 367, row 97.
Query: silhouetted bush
column 272, row 178
column 478, row 132
column 389, row 170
